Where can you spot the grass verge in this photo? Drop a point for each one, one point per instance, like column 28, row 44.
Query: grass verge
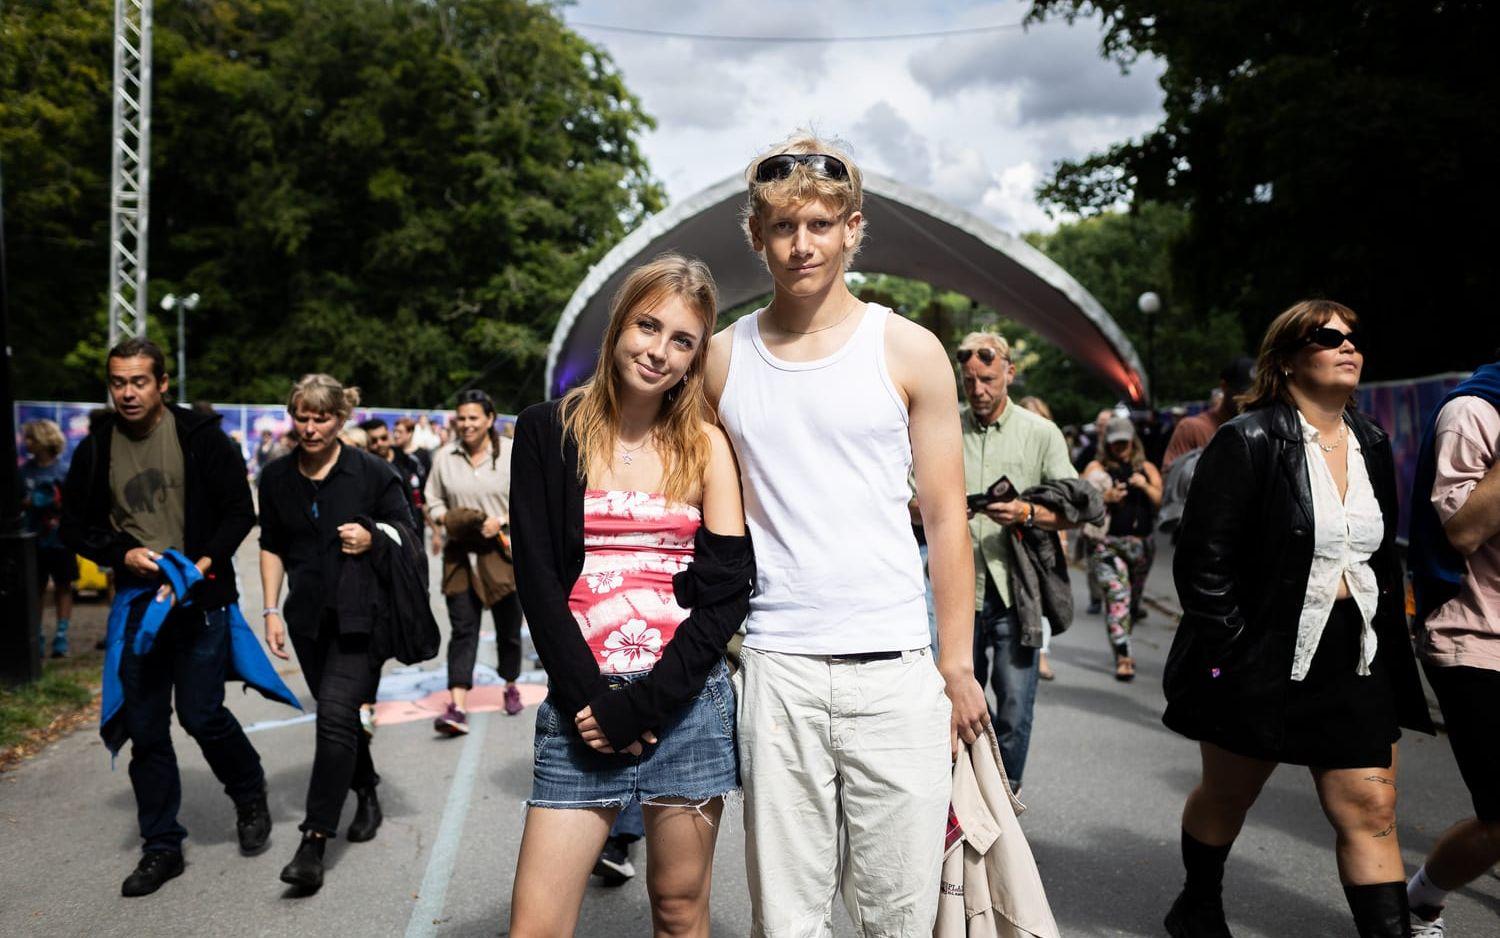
column 33, row 715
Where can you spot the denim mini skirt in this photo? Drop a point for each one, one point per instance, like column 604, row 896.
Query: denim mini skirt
column 693, row 760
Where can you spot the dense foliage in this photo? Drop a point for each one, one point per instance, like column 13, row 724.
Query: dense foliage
column 1331, row 148
column 401, row 193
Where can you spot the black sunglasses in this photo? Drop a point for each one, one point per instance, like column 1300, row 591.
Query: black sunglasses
column 1330, row 338
column 986, row 355
column 781, row 165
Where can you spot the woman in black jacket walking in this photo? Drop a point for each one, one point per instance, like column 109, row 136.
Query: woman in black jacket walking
column 1293, row 646
column 309, row 501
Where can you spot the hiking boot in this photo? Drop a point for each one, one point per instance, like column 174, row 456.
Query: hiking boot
column 453, row 722
column 306, row 869
column 1197, row 917
column 253, row 824
column 367, row 816
column 513, row 703
column 154, row 868
column 614, row 866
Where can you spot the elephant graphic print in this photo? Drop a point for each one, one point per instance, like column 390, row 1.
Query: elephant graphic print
column 148, row 494
column 634, row 543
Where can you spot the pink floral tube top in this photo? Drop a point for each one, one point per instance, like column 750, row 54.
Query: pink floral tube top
column 633, row 544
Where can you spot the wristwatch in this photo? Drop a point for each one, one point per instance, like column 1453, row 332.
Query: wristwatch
column 1030, row 515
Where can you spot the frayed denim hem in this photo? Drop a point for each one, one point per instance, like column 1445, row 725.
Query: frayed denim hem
column 564, row 805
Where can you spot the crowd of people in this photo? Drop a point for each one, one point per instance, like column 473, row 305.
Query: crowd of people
column 711, row 542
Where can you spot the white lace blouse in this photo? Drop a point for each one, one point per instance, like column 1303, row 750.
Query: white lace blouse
column 1346, row 534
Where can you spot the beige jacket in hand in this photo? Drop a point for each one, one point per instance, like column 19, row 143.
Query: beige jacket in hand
column 991, row 887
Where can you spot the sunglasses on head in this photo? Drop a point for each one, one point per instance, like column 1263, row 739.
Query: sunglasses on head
column 1330, row 338
column 986, row 355
column 781, row 165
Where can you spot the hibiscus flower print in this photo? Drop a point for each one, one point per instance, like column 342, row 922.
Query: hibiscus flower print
column 606, row 581
column 634, row 646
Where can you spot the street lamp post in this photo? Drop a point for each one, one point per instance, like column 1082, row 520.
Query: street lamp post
column 1150, row 304
column 180, row 303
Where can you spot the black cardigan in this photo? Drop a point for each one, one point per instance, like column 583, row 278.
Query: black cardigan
column 546, row 522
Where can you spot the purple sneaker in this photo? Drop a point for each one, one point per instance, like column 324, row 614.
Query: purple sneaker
column 453, row 722
column 513, row 703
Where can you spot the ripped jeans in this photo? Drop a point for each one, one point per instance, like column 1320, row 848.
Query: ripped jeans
column 693, row 760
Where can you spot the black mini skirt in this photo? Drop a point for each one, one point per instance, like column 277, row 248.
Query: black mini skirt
column 1335, row 717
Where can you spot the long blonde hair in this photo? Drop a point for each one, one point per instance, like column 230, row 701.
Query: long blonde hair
column 591, row 412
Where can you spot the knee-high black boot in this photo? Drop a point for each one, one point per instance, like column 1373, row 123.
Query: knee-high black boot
column 1198, row 911
column 1380, row 910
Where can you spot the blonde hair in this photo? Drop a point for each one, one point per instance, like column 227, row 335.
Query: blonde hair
column 1037, row 406
column 844, row 196
column 591, row 412
column 1135, row 457
column 322, row 394
column 355, row 437
column 1282, row 343
column 978, row 340
column 44, row 438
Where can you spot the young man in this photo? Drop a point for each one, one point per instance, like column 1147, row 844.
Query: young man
column 1001, row 439
column 1455, row 564
column 846, row 728
column 150, row 477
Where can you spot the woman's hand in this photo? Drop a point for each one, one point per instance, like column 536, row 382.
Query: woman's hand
column 276, row 636
column 354, row 538
column 1138, row 480
column 1114, row 493
column 490, row 528
column 588, row 728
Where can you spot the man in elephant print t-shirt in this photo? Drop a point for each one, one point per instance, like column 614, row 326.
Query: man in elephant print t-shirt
column 146, row 481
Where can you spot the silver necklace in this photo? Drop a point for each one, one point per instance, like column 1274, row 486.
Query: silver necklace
column 1330, row 447
column 627, row 455
column 833, row 325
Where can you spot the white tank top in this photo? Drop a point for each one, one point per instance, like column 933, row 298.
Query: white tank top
column 824, row 454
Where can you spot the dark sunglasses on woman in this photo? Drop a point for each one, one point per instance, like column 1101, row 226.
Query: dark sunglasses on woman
column 781, row 165
column 1330, row 338
column 986, row 355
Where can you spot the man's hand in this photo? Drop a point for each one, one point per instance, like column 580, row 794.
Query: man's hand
column 588, row 728
column 142, row 562
column 1014, row 511
column 276, row 636
column 490, row 528
column 971, row 713
column 354, row 538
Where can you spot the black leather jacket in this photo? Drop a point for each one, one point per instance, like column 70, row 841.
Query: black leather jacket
column 1241, row 569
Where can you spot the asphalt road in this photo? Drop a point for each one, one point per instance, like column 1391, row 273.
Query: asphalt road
column 1104, row 789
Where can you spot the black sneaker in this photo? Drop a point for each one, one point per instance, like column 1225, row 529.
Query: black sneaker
column 155, row 868
column 1095, row 606
column 1197, row 917
column 253, row 823
column 614, row 866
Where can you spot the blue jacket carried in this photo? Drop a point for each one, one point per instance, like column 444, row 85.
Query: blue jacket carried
column 247, row 662
column 1436, row 568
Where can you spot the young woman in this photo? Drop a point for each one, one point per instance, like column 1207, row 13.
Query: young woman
column 626, row 510
column 1293, row 646
column 1131, row 487
column 474, row 473
column 309, row 501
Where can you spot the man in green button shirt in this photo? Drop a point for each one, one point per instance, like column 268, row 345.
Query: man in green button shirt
column 1001, row 439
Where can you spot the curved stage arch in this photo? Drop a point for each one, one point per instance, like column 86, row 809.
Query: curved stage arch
column 912, row 234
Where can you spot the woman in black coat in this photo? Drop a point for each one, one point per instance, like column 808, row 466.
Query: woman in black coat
column 1293, row 646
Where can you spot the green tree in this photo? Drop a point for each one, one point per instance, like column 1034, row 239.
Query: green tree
column 401, row 193
column 1322, row 149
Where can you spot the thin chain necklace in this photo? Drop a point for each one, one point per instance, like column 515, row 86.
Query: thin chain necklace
column 833, row 325
column 627, row 454
column 1330, row 447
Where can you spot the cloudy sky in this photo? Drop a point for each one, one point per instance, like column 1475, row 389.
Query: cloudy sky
column 977, row 118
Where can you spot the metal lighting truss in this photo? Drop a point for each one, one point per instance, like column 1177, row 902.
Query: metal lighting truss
column 130, row 170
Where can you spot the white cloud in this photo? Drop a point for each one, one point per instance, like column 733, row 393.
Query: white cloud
column 977, row 119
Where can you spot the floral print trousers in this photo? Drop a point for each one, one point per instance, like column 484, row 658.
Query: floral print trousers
column 1120, row 564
